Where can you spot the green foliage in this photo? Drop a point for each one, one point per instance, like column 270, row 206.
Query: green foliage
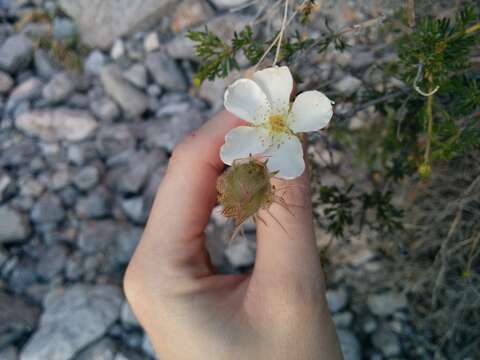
column 338, row 208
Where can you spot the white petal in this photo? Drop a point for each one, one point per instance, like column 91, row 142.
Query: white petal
column 286, row 157
column 311, row 111
column 245, row 99
column 277, row 83
column 243, row 141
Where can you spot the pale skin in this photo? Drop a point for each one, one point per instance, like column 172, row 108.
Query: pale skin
column 190, row 312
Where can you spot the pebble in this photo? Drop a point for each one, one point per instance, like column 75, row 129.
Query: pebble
column 73, row 317
column 14, row 226
column 349, row 344
column 241, row 252
column 26, row 91
column 52, row 261
column 103, row 349
column 137, row 75
column 337, row 299
column 59, row 88
column 165, row 71
column 86, row 178
column 57, row 124
column 151, row 42
column 129, row 98
column 95, row 62
column 387, row 303
column 387, row 342
column 128, row 317
column 6, row 82
column 16, row 53
column 97, row 204
column 105, row 109
column 135, row 209
column 348, row 85
column 228, row 4
column 48, row 209
column 118, row 49
column 343, row 319
column 189, row 13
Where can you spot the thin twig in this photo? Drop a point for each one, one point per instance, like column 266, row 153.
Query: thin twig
column 280, row 35
column 411, row 13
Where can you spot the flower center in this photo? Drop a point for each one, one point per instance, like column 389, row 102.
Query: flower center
column 276, row 124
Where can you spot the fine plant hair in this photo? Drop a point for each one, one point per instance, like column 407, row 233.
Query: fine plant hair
column 439, row 264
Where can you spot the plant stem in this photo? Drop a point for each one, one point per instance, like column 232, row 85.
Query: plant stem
column 280, row 36
column 429, row 121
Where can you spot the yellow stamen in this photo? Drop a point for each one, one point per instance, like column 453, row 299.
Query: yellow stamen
column 276, row 124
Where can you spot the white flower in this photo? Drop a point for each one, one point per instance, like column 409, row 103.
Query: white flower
column 264, row 102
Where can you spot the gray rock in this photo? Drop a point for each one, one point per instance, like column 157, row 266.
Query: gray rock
column 79, row 154
column 52, row 261
column 128, row 317
column 165, row 71
column 147, row 347
column 43, row 63
column 97, row 204
column 3, row 257
column 64, row 29
column 387, row 303
column 343, row 319
column 48, row 209
column 57, row 124
column 59, row 88
column 28, row 90
column 13, row 226
column 151, row 42
column 131, row 100
column 104, row 349
column 137, row 75
column 189, row 13
column 7, row 186
column 73, row 318
column 349, row 344
column 6, row 82
column 135, row 209
column 117, row 239
column 86, row 178
column 337, row 299
column 105, row 109
column 94, row 62
column 387, row 342
column 102, row 21
column 16, row 53
column 118, row 49
column 17, row 318
column 348, row 85
column 113, row 140
column 166, row 133
column 227, row 4
column 9, row 353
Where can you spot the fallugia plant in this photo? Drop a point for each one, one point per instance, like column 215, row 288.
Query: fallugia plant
column 270, row 145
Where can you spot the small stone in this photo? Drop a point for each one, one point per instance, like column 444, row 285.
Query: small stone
column 52, row 262
column 337, row 299
column 97, row 204
column 129, row 319
column 165, row 71
column 130, row 99
column 241, row 252
column 137, row 75
column 64, row 29
column 79, row 154
column 387, row 342
column 7, row 186
column 113, row 140
column 31, row 187
column 104, row 349
column 86, row 178
column 348, row 85
column 28, row 90
column 349, row 344
column 14, row 226
column 369, row 325
column 16, row 53
column 17, row 318
column 59, row 88
column 212, row 91
column 360, row 257
column 59, row 179
column 9, row 353
column 147, row 347
column 73, row 318
column 94, row 62
column 387, row 303
column 105, row 109
column 57, row 124
column 43, row 64
column 48, row 209
column 190, row 13
column 343, row 319
column 6, row 82
column 118, row 49
column 151, row 42
column 135, row 209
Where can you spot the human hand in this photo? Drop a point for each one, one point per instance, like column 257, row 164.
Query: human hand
column 279, row 311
